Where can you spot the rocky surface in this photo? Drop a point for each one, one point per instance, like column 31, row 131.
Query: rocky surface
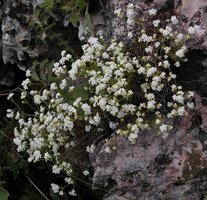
column 156, row 168
column 21, row 43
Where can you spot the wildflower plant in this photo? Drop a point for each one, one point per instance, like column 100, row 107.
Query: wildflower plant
column 122, row 88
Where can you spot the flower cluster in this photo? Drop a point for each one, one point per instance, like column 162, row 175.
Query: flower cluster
column 125, row 90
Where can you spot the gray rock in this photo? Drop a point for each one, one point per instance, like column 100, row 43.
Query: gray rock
column 155, row 168
column 20, row 44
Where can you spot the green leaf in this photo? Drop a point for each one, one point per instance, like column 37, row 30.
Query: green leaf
column 43, row 66
column 79, row 91
column 50, row 26
column 37, row 13
column 81, row 4
column 48, row 4
column 65, row 8
column 75, row 18
column 88, row 24
column 3, row 194
column 34, row 74
column 50, row 74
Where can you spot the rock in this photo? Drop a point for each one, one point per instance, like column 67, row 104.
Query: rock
column 155, row 168
column 21, row 43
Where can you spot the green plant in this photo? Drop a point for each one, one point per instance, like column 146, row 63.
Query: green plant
column 45, row 21
column 74, row 8
column 121, row 89
column 3, row 194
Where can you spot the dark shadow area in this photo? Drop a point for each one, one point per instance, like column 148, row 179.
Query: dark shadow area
column 192, row 75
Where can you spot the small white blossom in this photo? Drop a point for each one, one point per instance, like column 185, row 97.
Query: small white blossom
column 163, row 128
column 28, row 73
column 72, row 192
column 156, row 23
column 55, row 188
column 152, row 12
column 10, row 96
column 174, row 20
column 90, row 149
column 86, row 172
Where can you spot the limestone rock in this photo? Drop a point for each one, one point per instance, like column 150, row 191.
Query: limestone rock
column 20, row 43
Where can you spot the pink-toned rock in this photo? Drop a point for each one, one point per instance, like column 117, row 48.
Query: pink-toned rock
column 190, row 8
column 155, row 168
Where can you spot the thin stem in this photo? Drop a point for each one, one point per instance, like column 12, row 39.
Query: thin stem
column 37, row 188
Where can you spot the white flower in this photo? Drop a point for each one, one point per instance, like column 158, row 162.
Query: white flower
column 158, row 121
column 156, row 23
column 130, row 34
column 37, row 99
column 17, row 117
column 93, row 40
column 149, row 49
column 166, row 31
column 86, row 108
column 163, row 128
column 86, row 172
column 178, row 98
column 10, row 113
column 146, row 38
column 72, row 192
column 87, row 128
column 28, row 73
column 63, row 53
column 63, row 84
column 180, row 53
column 157, row 44
column 25, row 84
column 141, row 70
column 132, row 137
column 151, row 104
column 55, row 169
column 105, row 55
column 112, row 125
column 119, row 13
column 90, row 149
column 23, row 95
column 69, row 180
column 10, row 96
column 107, row 149
column 151, row 71
column 53, row 86
column 47, row 156
column 177, row 64
column 191, row 105
column 166, row 64
column 180, row 36
column 55, row 188
column 181, row 111
column 174, row 20
column 152, row 12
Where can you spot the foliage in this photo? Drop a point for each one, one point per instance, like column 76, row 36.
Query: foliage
column 51, row 13
column 121, row 89
column 42, row 71
column 3, row 194
column 73, row 7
